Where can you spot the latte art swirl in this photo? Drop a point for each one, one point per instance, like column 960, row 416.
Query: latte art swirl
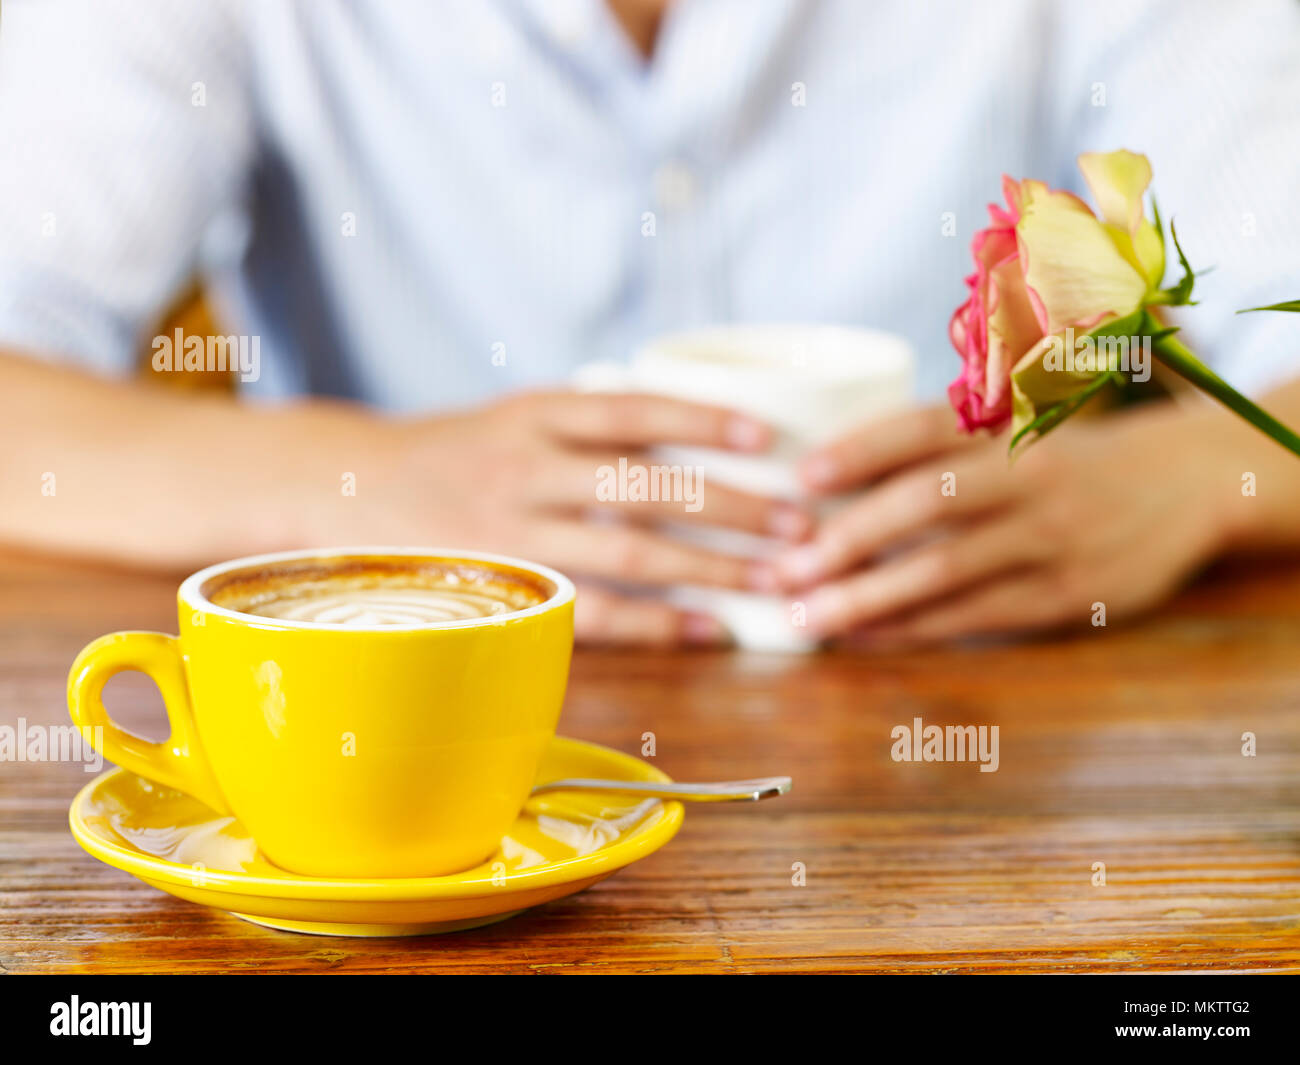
column 359, row 594
column 384, row 606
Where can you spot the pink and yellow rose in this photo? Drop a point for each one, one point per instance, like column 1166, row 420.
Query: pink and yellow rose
column 1046, row 263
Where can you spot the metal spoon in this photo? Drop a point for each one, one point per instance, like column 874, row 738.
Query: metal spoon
column 720, row 791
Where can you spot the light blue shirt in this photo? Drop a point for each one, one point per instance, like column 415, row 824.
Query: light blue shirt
column 426, row 204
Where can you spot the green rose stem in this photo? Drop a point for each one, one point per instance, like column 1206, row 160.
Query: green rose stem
column 1174, row 354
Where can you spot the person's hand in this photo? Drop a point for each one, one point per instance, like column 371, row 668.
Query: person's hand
column 519, row 477
column 945, row 538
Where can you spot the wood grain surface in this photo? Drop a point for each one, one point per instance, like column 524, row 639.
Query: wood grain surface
column 1119, row 745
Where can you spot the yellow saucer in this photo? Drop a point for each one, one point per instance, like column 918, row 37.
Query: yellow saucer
column 561, row 843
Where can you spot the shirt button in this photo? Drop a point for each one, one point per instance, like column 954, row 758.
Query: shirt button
column 674, row 185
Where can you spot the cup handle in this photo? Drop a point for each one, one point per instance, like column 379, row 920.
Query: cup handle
column 178, row 761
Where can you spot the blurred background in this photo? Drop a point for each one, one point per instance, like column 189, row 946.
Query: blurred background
column 406, row 216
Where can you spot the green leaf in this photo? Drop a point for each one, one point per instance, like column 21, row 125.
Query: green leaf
column 1056, row 414
column 1289, row 305
column 1180, row 295
column 1136, row 324
column 1160, row 226
column 1140, row 323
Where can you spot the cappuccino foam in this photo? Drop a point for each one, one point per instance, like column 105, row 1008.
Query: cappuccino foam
column 370, row 594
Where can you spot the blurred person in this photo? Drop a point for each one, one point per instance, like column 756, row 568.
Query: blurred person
column 429, row 214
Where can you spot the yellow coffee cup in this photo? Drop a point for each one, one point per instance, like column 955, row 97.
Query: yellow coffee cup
column 347, row 751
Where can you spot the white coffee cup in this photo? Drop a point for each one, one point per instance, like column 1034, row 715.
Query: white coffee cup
column 810, row 383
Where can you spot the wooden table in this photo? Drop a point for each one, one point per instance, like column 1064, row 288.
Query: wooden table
column 1119, row 745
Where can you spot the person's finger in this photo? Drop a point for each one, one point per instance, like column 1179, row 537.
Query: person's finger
column 901, row 507
column 882, row 446
column 929, row 572
column 1024, row 603
column 641, row 419
column 637, row 556
column 646, row 491
column 604, row 619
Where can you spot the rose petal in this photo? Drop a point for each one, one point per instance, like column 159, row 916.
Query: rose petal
column 1118, row 181
column 1072, row 264
column 1012, row 326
